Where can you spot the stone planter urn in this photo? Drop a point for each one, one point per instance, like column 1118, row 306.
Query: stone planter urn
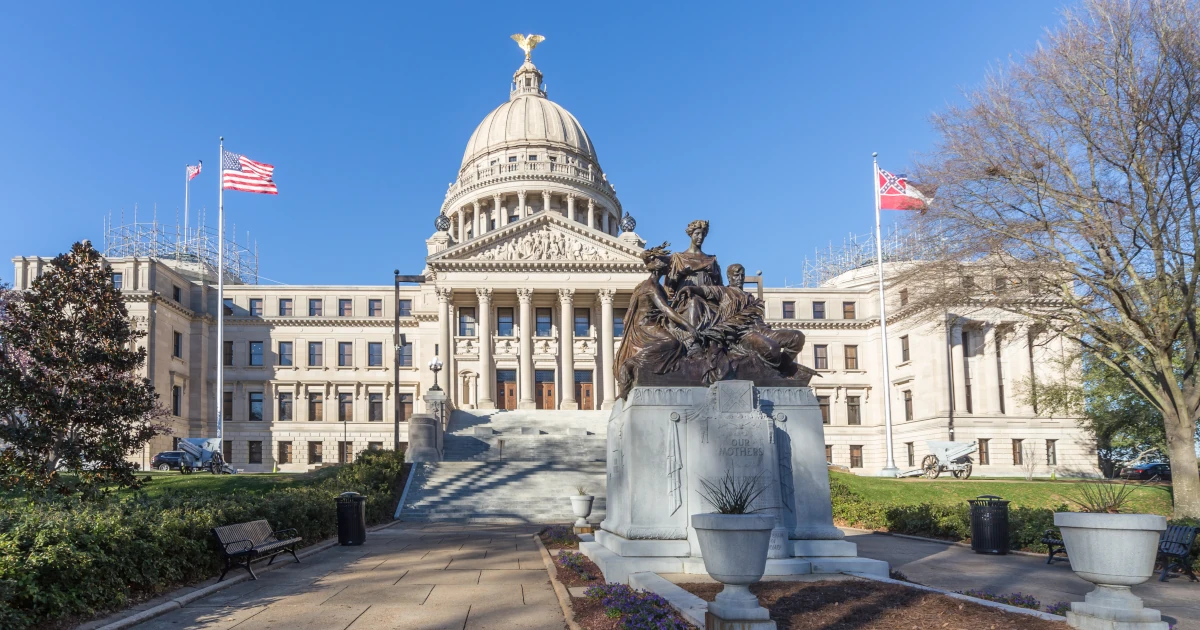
column 1114, row 552
column 581, row 505
column 734, row 548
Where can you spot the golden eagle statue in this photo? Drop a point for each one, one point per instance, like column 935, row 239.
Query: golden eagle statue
column 527, row 42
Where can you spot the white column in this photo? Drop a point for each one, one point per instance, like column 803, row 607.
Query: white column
column 569, row 211
column 502, row 214
column 444, row 338
column 486, row 374
column 478, row 220
column 462, row 234
column 521, row 204
column 604, row 222
column 591, row 213
column 989, row 393
column 545, row 201
column 956, row 369
column 566, row 348
column 605, row 354
column 525, row 374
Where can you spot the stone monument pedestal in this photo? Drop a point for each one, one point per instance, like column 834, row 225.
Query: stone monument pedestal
column 662, row 440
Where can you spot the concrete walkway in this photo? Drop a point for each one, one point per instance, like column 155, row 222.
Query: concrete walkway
column 409, row 576
column 957, row 568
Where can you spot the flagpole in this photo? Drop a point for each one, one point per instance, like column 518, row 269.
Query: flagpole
column 889, row 470
column 186, row 184
column 221, row 295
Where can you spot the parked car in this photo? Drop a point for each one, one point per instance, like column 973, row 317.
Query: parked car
column 1156, row 470
column 167, row 460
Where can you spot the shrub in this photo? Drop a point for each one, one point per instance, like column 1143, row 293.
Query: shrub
column 127, row 546
column 636, row 610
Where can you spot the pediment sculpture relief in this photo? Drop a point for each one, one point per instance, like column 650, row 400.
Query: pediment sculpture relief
column 544, row 244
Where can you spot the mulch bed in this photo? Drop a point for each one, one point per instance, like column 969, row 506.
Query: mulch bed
column 589, row 614
column 864, row 605
column 571, row 578
column 573, row 544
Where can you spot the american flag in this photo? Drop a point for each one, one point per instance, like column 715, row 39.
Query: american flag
column 193, row 171
column 239, row 172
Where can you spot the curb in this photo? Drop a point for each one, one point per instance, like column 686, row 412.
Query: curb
column 186, row 598
column 560, row 591
column 967, row 598
column 412, row 471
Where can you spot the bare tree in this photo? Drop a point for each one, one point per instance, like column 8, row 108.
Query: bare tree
column 1070, row 181
column 1029, row 461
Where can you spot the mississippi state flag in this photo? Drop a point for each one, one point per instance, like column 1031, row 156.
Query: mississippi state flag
column 895, row 193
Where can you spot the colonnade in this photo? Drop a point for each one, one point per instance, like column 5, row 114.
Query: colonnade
column 478, row 217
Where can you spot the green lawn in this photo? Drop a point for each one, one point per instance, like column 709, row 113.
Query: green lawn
column 259, row 483
column 1154, row 499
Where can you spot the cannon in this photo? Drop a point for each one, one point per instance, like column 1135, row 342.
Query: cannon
column 954, row 457
column 203, row 454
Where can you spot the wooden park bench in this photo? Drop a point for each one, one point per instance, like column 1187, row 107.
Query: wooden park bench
column 1054, row 543
column 1175, row 550
column 243, row 543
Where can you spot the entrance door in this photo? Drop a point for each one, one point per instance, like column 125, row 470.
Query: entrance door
column 543, row 385
column 508, row 391
column 583, row 394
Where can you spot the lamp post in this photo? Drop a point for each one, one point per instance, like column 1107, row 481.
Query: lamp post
column 399, row 341
column 435, row 398
column 436, row 366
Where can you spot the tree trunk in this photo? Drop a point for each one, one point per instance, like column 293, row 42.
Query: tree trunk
column 1185, row 474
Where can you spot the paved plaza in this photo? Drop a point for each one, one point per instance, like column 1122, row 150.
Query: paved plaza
column 407, row 576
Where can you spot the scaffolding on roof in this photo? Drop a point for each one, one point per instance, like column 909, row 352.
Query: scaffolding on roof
column 192, row 248
column 858, row 251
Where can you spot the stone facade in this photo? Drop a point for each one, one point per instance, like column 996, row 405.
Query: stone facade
column 527, row 279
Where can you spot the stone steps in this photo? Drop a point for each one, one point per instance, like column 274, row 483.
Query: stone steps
column 502, row 492
column 526, row 435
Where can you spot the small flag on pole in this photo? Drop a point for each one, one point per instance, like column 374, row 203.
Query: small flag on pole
column 193, row 171
column 239, row 172
column 895, row 193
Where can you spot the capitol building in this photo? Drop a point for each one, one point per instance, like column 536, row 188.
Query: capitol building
column 527, row 278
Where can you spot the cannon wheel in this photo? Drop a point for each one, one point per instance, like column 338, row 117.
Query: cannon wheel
column 930, row 464
column 965, row 473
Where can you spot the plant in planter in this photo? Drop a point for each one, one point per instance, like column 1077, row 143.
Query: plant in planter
column 734, row 543
column 581, row 505
column 1114, row 551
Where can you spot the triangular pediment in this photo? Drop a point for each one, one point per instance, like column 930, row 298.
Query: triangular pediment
column 544, row 238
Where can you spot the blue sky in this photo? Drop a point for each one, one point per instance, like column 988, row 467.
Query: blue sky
column 759, row 117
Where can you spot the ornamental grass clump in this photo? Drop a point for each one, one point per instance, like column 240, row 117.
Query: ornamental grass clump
column 732, row 494
column 1102, row 497
column 636, row 610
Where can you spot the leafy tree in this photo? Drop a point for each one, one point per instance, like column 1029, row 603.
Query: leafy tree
column 1076, row 171
column 70, row 399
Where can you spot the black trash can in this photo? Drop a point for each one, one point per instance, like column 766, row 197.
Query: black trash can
column 351, row 518
column 989, row 524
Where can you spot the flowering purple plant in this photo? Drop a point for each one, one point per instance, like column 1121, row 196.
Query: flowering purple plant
column 574, row 561
column 560, row 535
column 1012, row 599
column 637, row 610
column 1058, row 608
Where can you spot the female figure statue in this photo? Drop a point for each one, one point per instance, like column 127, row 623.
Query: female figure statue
column 694, row 281
column 656, row 337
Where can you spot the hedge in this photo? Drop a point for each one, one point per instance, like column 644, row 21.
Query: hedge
column 66, row 558
column 1026, row 525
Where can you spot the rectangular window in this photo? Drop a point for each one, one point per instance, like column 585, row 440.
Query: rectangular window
column 404, row 307
column 912, row 454
column 118, row 280
column 856, row 456
column 256, row 309
column 789, row 310
column 315, row 307
column 851, row 357
column 375, row 407
column 853, row 411
column 285, row 353
column 619, row 322
column 374, row 354
column 285, row 407
column 583, row 322
column 406, row 407
column 504, row 322
column 345, row 353
column 227, row 451
column 847, row 310
column 374, row 446
column 969, row 283
column 285, row 453
column 904, row 356
column 227, row 405
column 985, row 456
column 903, row 297
column 256, row 353
column 255, row 448
column 316, row 408
column 823, row 404
column 177, row 294
column 818, row 310
column 228, row 353
column 345, row 308
column 406, row 355
column 316, row 354
column 828, row 454
column 345, row 452
column 285, row 307
column 908, row 407
column 1018, row 457
column 1051, row 452
column 466, row 321
column 345, row 407
column 254, row 407
column 543, row 322
column 375, row 308
column 176, row 400
column 314, row 452
column 177, row 345
column 821, row 357
column 229, row 306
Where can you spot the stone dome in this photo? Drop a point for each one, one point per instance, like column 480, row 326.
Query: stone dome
column 529, row 119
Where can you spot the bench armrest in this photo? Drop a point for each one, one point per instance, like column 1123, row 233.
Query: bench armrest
column 246, row 545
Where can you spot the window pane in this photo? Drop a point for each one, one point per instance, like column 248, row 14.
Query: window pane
column 176, row 400
column 583, row 322
column 818, row 310
column 375, row 354
column 504, row 322
column 255, row 448
column 256, row 309
column 823, row 403
column 256, row 406
column 375, row 308
column 227, row 450
column 345, row 353
column 285, row 453
column 904, row 348
column 345, row 309
column 984, row 456
column 847, row 310
column 285, row 306
column 228, row 358
column 227, row 405
column 285, row 407
column 466, row 321
column 256, row 353
column 856, row 457
column 908, row 405
column 314, row 452
column 315, row 354
column 315, row 308
column 821, row 357
column 375, row 407
column 543, row 322
column 852, row 411
column 177, row 345
column 405, row 308
column 789, row 310
column 851, row 357
column 285, row 353
column 345, row 407
column 316, row 408
column 118, row 280
column 406, row 355
column 619, row 322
